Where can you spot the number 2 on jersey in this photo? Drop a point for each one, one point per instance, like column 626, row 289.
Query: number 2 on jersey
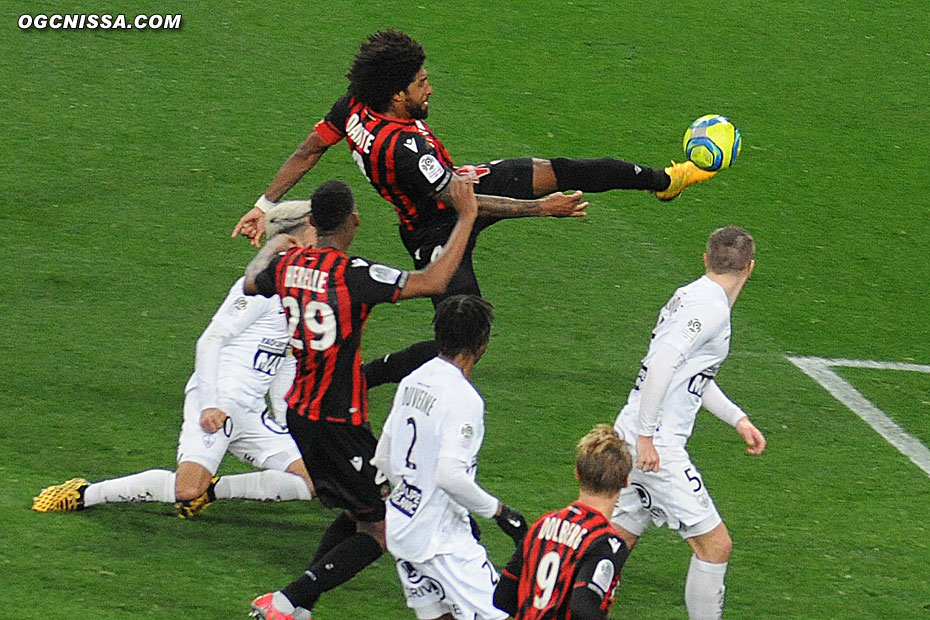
column 319, row 319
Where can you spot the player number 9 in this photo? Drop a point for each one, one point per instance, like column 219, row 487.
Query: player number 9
column 319, row 319
column 546, row 575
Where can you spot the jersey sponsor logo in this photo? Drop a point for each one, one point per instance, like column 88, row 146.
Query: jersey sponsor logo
column 357, row 462
column 384, row 274
column 356, row 132
column 312, row 280
column 603, row 575
column 418, row 585
column 269, row 355
column 411, row 144
column 562, row 531
column 406, row 498
column 431, row 168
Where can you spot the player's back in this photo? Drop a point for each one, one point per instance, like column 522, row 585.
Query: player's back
column 552, row 551
column 436, row 413
column 695, row 322
column 402, row 159
column 325, row 321
column 255, row 344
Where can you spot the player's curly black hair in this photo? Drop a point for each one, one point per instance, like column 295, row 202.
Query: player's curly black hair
column 462, row 324
column 332, row 202
column 383, row 67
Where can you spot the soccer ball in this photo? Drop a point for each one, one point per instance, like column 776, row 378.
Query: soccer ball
column 712, row 142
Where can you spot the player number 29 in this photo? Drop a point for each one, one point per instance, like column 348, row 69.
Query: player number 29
column 546, row 575
column 319, row 319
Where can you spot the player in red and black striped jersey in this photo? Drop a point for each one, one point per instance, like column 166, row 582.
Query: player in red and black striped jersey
column 327, row 295
column 382, row 118
column 569, row 563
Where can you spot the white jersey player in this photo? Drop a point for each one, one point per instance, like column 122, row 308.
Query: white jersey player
column 242, row 358
column 690, row 341
column 429, row 450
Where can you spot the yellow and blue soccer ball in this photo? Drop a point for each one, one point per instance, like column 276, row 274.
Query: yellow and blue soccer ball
column 712, row 142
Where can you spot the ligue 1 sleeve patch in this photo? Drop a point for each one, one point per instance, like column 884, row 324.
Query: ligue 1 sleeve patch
column 384, row 274
column 692, row 329
column 603, row 575
column 431, row 168
column 466, row 434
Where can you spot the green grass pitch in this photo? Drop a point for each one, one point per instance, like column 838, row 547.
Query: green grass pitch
column 128, row 156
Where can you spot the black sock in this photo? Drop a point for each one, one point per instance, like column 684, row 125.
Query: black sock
column 339, row 530
column 343, row 562
column 395, row 366
column 604, row 174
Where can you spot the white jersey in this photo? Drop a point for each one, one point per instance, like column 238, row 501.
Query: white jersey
column 253, row 333
column 696, row 322
column 436, row 413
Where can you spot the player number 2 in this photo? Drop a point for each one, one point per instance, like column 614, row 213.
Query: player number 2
column 319, row 319
column 546, row 575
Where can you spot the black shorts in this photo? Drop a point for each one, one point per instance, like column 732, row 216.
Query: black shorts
column 512, row 178
column 338, row 459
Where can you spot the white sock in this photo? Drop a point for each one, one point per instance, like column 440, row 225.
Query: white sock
column 704, row 589
column 268, row 485
column 153, row 485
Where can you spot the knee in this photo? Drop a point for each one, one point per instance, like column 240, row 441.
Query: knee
column 719, row 551
column 375, row 530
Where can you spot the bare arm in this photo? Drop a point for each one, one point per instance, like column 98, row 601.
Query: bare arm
column 301, row 161
column 553, row 205
column 436, row 276
column 261, row 261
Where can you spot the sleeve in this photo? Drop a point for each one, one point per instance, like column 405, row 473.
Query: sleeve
column 373, row 283
column 332, row 127
column 693, row 327
column 506, row 592
column 382, row 457
column 236, row 314
column 280, row 386
column 597, row 577
column 452, row 477
column 418, row 170
column 715, row 401
column 662, row 364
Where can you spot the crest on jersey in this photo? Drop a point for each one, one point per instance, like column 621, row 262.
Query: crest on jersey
column 431, row 168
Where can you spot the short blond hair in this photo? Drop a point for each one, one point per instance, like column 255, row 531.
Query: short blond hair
column 287, row 216
column 730, row 249
column 603, row 462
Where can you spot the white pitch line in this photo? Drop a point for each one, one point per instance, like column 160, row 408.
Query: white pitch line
column 819, row 369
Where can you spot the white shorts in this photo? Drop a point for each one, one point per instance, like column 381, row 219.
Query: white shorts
column 461, row 584
column 675, row 496
column 252, row 436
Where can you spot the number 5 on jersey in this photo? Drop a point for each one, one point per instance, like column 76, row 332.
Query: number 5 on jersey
column 318, row 319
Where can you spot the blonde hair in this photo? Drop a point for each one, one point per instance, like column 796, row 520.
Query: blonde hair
column 603, row 462
column 287, row 216
column 730, row 249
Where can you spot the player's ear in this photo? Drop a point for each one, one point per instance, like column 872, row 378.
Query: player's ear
column 577, row 477
column 626, row 482
column 705, row 261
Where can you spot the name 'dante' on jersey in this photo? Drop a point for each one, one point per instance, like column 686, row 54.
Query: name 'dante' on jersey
column 357, row 133
column 312, row 280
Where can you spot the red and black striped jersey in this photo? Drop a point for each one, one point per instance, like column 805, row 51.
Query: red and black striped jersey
column 327, row 297
column 401, row 158
column 575, row 547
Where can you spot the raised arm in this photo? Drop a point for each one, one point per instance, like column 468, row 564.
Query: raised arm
column 301, row 161
column 262, row 260
column 435, row 277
